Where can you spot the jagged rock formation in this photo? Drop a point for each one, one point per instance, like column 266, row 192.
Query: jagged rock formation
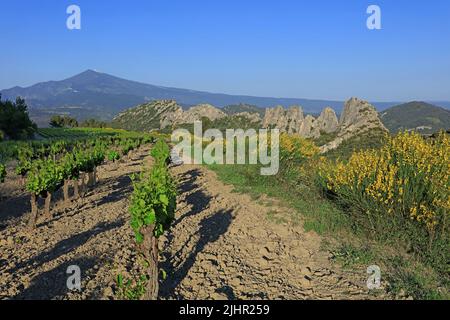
column 307, row 128
column 287, row 120
column 327, row 122
column 358, row 117
column 293, row 121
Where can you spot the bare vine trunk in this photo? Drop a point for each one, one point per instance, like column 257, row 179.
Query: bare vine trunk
column 22, row 181
column 89, row 179
column 149, row 249
column 94, row 176
column 83, row 184
column 48, row 202
column 66, row 191
column 34, row 212
column 76, row 190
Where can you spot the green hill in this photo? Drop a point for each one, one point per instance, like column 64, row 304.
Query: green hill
column 146, row 117
column 420, row 116
column 239, row 108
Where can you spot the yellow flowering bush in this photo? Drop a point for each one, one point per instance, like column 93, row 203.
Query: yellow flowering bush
column 407, row 178
column 295, row 149
column 295, row 153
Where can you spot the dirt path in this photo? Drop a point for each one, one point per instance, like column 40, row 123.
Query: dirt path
column 92, row 233
column 223, row 246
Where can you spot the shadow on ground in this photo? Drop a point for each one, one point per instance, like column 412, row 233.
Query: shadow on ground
column 211, row 228
column 53, row 284
column 65, row 246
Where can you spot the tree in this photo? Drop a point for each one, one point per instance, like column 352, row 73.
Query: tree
column 63, row 122
column 14, row 119
column 93, row 123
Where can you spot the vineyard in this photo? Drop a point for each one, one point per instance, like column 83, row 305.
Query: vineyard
column 68, row 159
column 47, row 166
column 113, row 203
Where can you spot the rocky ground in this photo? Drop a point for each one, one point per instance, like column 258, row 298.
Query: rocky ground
column 92, row 233
column 222, row 245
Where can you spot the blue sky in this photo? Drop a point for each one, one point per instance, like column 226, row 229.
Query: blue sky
column 305, row 49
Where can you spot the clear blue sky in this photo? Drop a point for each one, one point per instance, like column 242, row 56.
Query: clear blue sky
column 295, row 48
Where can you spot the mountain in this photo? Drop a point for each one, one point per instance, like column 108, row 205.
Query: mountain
column 102, row 96
column 421, row 116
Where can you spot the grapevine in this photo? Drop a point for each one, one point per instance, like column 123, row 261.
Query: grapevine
column 152, row 210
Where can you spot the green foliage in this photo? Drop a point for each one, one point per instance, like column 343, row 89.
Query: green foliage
column 69, row 167
column 127, row 290
column 45, row 176
column 23, row 167
column 98, row 155
column 93, row 123
column 126, row 147
column 374, row 139
column 14, row 119
column 84, row 159
column 349, row 255
column 113, row 156
column 412, row 278
column 58, row 147
column 2, row 173
column 160, row 152
column 153, row 201
column 24, row 156
column 58, row 121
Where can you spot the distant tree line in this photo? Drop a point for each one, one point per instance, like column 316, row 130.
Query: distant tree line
column 63, row 122
column 58, row 121
column 15, row 122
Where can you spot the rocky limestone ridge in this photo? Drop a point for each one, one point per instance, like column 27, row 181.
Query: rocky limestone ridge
column 286, row 120
column 358, row 117
column 161, row 114
column 198, row 112
column 293, row 121
column 153, row 115
column 327, row 121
